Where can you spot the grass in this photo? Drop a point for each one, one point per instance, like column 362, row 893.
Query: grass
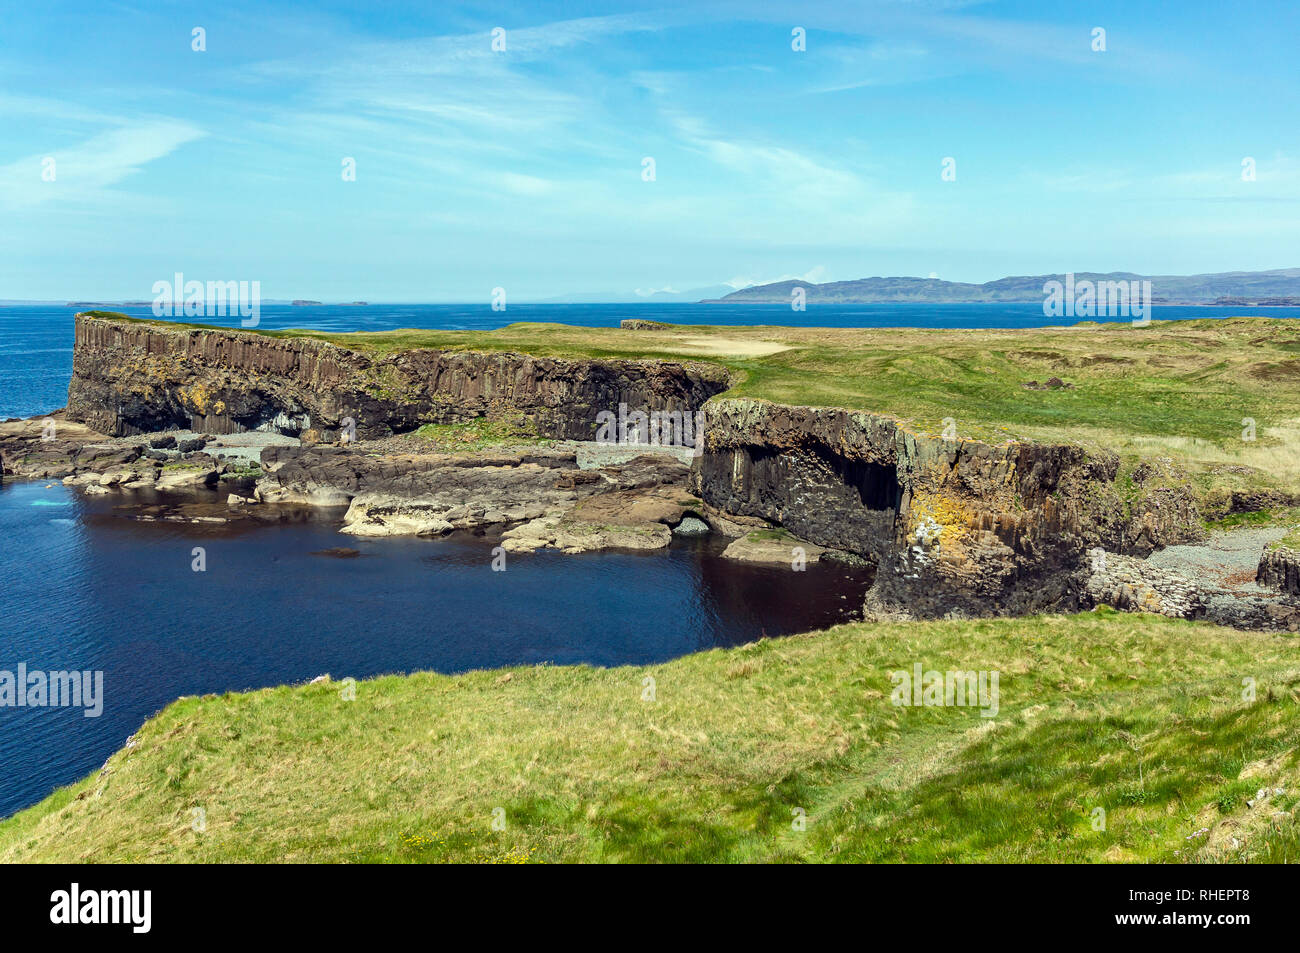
column 480, row 434
column 769, row 535
column 250, row 472
column 1291, row 540
column 1141, row 716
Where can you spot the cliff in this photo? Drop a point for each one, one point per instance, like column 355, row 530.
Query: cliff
column 953, row 525
column 139, row 377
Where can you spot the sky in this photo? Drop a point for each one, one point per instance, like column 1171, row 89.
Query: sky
column 525, row 168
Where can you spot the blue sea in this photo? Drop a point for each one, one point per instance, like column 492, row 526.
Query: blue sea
column 88, row 587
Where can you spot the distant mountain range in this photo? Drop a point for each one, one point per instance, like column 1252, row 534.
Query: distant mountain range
column 1281, row 286
column 1237, row 288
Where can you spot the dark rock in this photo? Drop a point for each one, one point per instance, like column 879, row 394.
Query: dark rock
column 572, row 478
column 1279, row 568
column 1052, row 383
column 137, row 378
column 640, row 324
column 163, row 443
column 953, row 525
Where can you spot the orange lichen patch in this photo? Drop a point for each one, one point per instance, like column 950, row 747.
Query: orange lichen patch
column 938, row 517
column 196, row 397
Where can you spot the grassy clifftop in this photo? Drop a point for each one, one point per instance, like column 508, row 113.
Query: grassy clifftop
column 1140, row 716
column 1186, row 390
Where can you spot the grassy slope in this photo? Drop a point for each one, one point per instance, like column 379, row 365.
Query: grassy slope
column 1179, row 389
column 1140, row 715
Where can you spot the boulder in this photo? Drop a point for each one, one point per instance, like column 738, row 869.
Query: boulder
column 185, row 478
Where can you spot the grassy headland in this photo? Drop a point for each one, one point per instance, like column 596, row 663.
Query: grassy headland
column 1141, row 716
column 1189, row 391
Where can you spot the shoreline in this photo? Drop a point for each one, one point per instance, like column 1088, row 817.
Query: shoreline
column 577, row 497
column 983, row 522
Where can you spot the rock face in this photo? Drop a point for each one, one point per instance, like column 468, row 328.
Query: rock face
column 138, row 377
column 1279, row 568
column 955, row 526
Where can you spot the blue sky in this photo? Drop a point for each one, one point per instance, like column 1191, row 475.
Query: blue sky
column 523, row 169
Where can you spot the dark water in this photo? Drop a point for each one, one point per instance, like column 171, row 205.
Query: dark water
column 86, row 588
column 36, row 342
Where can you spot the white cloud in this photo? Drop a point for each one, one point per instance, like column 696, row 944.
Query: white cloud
column 818, row 274
column 83, row 170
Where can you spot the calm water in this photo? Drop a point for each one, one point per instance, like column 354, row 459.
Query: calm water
column 85, row 587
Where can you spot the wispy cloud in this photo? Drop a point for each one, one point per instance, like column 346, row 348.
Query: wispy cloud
column 818, row 274
column 84, row 170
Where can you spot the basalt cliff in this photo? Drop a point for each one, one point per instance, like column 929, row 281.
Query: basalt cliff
column 952, row 526
column 141, row 377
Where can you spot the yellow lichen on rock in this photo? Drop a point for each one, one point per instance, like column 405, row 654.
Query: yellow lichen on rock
column 195, row 397
column 937, row 517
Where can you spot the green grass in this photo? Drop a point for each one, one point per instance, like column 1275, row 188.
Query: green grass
column 480, row 434
column 1141, row 716
column 250, row 472
column 769, row 535
column 1272, row 516
column 1291, row 540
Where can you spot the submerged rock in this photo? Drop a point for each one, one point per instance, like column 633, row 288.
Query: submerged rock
column 773, row 547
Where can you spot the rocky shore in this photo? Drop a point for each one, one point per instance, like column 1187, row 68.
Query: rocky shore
column 1216, row 580
column 954, row 527
column 562, row 496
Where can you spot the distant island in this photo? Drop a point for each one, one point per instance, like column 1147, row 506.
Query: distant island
column 100, row 304
column 1280, row 287
column 1287, row 301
